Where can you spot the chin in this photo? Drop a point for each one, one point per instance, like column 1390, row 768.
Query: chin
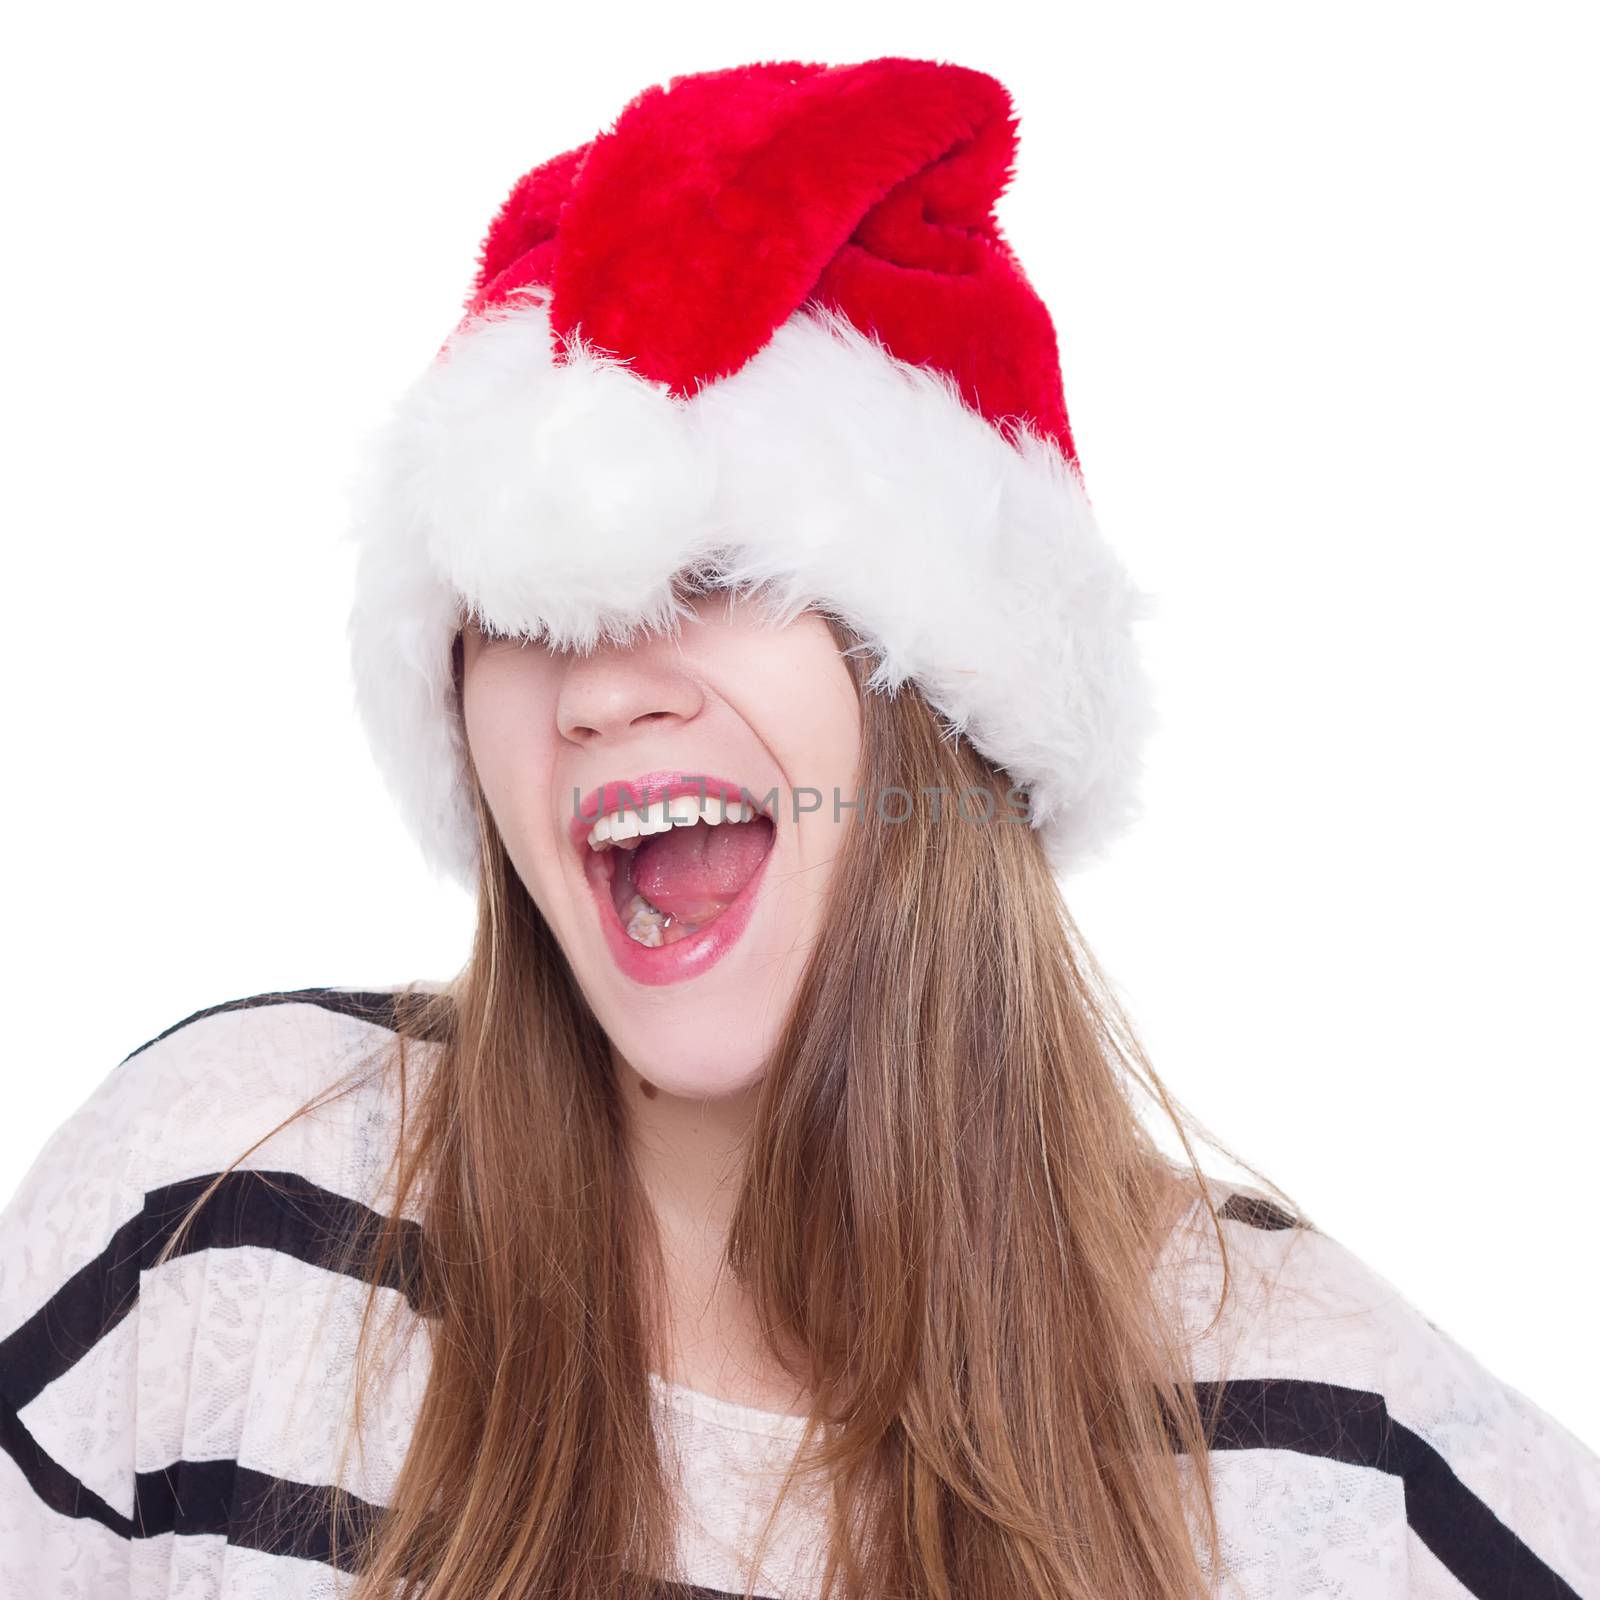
column 682, row 1061
column 695, row 1002
column 692, row 1083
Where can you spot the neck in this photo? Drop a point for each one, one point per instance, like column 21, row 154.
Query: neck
column 688, row 1154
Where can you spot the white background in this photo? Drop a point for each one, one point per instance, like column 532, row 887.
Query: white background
column 1325, row 285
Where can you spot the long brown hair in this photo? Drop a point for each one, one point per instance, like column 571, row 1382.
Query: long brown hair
column 949, row 1219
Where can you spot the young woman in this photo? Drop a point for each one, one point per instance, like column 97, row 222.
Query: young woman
column 767, row 1207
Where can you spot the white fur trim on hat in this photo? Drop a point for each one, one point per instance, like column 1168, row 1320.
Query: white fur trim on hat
column 560, row 499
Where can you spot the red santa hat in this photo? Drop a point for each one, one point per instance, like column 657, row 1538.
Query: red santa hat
column 764, row 328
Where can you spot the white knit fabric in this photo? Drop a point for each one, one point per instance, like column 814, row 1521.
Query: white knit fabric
column 141, row 1407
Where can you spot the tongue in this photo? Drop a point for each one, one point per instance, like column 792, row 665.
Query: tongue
column 694, row 873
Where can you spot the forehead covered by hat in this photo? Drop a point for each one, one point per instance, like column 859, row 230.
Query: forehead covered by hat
column 764, row 331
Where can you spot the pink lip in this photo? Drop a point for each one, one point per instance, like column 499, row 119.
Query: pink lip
column 687, row 958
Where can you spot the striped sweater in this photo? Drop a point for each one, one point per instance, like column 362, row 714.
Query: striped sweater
column 172, row 1432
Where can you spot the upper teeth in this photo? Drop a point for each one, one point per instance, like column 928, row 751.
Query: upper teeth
column 683, row 811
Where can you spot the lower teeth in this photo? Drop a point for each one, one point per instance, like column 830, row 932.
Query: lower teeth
column 644, row 923
column 647, row 925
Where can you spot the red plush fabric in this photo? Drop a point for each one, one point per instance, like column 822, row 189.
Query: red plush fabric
column 713, row 208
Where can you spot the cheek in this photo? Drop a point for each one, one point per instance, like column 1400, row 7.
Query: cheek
column 489, row 713
column 830, row 739
column 815, row 705
column 796, row 692
column 509, row 717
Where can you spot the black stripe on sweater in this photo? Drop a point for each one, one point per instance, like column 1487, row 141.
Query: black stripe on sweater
column 49, row 1480
column 253, row 1510
column 382, row 1007
column 280, row 1211
column 285, row 1212
column 1256, row 1212
column 1354, row 1426
column 279, row 1517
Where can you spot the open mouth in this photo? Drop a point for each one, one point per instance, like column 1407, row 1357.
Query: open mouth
column 675, row 869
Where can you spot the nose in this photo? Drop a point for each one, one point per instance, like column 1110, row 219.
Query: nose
column 618, row 690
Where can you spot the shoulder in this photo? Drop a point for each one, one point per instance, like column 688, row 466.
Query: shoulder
column 124, row 1368
column 205, row 1089
column 1318, row 1361
column 1268, row 1288
column 279, row 1042
column 206, row 1093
